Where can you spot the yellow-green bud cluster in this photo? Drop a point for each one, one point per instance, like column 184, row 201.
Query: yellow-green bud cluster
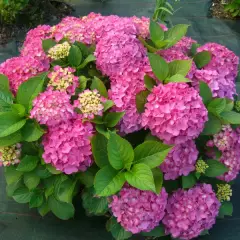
column 201, row 166
column 10, row 155
column 224, row 192
column 237, row 106
column 59, row 51
column 90, row 102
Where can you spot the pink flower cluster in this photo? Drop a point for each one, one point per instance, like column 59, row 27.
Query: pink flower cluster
column 139, row 211
column 20, row 69
column 220, row 73
column 67, row 146
column 188, row 213
column 180, row 160
column 52, row 107
column 174, row 113
column 228, row 142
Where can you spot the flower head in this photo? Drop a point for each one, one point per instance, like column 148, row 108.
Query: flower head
column 67, row 146
column 175, row 113
column 63, row 79
column 138, row 210
column 190, row 212
column 90, row 103
column 224, row 192
column 59, row 51
column 201, row 166
column 10, row 155
column 52, row 107
column 180, row 160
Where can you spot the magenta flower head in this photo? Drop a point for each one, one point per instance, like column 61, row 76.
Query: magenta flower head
column 180, row 160
column 174, row 113
column 188, row 213
column 52, row 107
column 138, row 210
column 67, row 146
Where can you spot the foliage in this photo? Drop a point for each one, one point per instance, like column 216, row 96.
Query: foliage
column 233, row 7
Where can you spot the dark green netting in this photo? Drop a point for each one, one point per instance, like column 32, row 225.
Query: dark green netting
column 17, row 222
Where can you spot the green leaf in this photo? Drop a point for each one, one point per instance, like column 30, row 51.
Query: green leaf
column 12, row 175
column 65, row 191
column 4, row 83
column 52, row 169
column 99, row 85
column 159, row 66
column 112, row 118
column 10, row 123
column 11, row 139
column 212, row 126
column 87, row 177
column 99, row 149
column 156, row 32
column 107, row 105
column 43, row 209
column 117, row 230
column 217, row 105
column 6, row 99
column 201, row 59
column 22, row 195
column 92, row 204
column 84, row 49
column 19, row 109
column 11, row 188
column 50, row 185
column 75, row 56
column 149, row 82
column 175, row 34
column 47, row 44
column 82, row 83
column 42, row 172
column 31, row 131
column 178, row 78
column 226, row 209
column 120, row 152
column 158, row 231
column 141, row 177
column 102, row 130
column 151, row 153
column 28, row 90
column 181, row 67
column 194, row 48
column 158, row 179
column 108, row 181
column 229, row 105
column 215, row 168
column 205, row 92
column 90, row 58
column 36, row 200
column 150, row 137
column 28, row 163
column 188, row 181
column 31, row 180
column 62, row 210
column 231, row 117
column 97, row 120
column 141, row 100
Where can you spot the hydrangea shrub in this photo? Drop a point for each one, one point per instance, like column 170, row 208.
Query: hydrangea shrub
column 138, row 120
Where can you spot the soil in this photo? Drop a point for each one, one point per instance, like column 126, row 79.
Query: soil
column 217, row 9
column 37, row 12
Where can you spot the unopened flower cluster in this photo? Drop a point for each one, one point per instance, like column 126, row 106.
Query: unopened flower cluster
column 10, row 155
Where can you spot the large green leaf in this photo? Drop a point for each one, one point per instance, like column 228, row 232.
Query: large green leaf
column 87, row 177
column 99, row 85
column 22, row 195
column 28, row 163
column 181, row 67
column 31, row 180
column 62, row 210
column 36, row 199
column 4, row 83
column 151, row 153
column 88, row 59
column 141, row 100
column 99, row 149
column 47, row 44
column 43, row 209
column 31, row 131
column 108, row 104
column 141, row 177
column 108, row 181
column 201, row 59
column 215, row 168
column 75, row 56
column 120, row 152
column 177, row 78
column 11, row 188
column 217, row 105
column 66, row 190
column 11, row 139
column 12, row 175
column 212, row 126
column 225, row 209
column 28, row 90
column 94, row 205
column 159, row 66
column 112, row 118
column 149, row 82
column 156, row 32
column 10, row 123
column 231, row 117
column 6, row 100
column 205, row 92
column 158, row 179
column 188, row 181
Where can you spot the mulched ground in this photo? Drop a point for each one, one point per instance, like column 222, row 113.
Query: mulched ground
column 217, row 9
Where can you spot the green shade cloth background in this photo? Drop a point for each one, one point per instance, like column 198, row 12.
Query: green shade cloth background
column 18, row 222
